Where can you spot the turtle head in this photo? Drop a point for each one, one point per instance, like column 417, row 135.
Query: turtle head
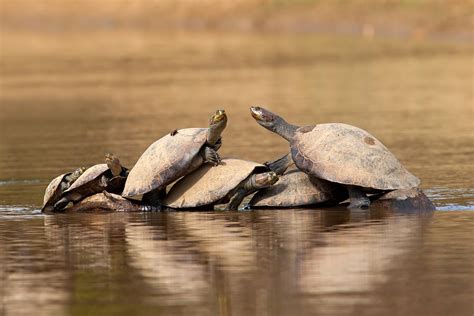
column 264, row 117
column 77, row 173
column 113, row 163
column 273, row 122
column 218, row 118
column 217, row 124
column 266, row 179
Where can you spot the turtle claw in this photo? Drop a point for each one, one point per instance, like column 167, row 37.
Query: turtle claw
column 215, row 160
column 211, row 156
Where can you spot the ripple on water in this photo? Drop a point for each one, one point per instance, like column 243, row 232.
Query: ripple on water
column 18, row 212
column 16, row 182
column 452, row 199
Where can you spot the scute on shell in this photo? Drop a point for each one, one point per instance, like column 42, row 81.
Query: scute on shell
column 207, row 185
column 296, row 188
column 89, row 175
column 165, row 161
column 52, row 188
column 346, row 154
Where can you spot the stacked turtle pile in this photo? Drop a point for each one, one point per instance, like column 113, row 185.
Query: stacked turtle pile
column 183, row 170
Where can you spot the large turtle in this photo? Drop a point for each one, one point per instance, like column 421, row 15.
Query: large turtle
column 296, row 188
column 228, row 183
column 57, row 186
column 341, row 153
column 172, row 157
column 109, row 176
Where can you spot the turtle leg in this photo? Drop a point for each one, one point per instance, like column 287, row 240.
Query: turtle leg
column 238, row 197
column 280, row 165
column 217, row 145
column 210, row 155
column 357, row 197
column 71, row 197
column 61, row 204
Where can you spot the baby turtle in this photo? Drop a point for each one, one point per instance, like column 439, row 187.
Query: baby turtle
column 57, row 186
column 340, row 153
column 295, row 188
column 174, row 156
column 232, row 181
column 109, row 176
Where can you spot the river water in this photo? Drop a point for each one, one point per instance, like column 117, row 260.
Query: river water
column 65, row 101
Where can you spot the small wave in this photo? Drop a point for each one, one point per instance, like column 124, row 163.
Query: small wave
column 452, row 199
column 15, row 182
column 455, row 207
column 18, row 211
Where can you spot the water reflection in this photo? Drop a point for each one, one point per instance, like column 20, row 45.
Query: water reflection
column 248, row 263
column 57, row 114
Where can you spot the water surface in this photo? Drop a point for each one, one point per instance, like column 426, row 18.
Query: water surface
column 65, row 101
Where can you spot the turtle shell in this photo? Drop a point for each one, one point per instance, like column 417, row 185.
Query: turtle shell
column 53, row 192
column 349, row 155
column 165, row 161
column 296, row 188
column 88, row 176
column 208, row 185
column 407, row 200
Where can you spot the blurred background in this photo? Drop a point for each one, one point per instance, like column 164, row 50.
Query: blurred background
column 80, row 78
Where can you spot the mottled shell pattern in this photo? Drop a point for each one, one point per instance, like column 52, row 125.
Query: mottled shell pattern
column 52, row 189
column 208, row 185
column 346, row 154
column 165, row 161
column 89, row 175
column 296, row 188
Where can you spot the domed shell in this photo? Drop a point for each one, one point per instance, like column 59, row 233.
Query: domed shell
column 207, row 185
column 88, row 175
column 296, row 188
column 165, row 161
column 349, row 155
column 52, row 192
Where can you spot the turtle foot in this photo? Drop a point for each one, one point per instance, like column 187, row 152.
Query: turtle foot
column 359, row 203
column 61, row 204
column 211, row 156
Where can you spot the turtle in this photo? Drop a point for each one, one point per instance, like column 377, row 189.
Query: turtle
column 109, row 176
column 341, row 153
column 172, row 157
column 228, row 183
column 110, row 202
column 57, row 186
column 295, row 189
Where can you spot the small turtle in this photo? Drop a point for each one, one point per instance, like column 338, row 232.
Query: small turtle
column 228, row 183
column 341, row 153
column 111, row 202
column 295, row 188
column 109, row 176
column 172, row 157
column 57, row 186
